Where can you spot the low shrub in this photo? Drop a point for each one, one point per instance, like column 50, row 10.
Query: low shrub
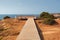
column 6, row 17
column 49, row 21
column 44, row 15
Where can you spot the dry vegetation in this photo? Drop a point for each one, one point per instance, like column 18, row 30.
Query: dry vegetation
column 49, row 32
column 11, row 28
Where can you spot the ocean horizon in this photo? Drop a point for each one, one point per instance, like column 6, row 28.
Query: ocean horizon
column 13, row 15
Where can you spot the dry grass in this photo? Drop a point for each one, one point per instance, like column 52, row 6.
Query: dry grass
column 12, row 28
column 50, row 32
column 9, row 38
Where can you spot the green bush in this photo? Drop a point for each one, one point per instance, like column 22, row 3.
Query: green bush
column 44, row 15
column 47, row 18
column 49, row 21
column 6, row 17
column 52, row 17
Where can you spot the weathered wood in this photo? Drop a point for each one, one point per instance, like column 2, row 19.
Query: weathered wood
column 29, row 31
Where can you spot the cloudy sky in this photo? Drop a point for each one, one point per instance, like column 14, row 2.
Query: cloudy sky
column 29, row 6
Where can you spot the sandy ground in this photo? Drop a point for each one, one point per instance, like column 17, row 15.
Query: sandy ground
column 13, row 27
column 49, row 32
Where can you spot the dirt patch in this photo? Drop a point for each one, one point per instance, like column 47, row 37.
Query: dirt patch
column 12, row 28
column 50, row 32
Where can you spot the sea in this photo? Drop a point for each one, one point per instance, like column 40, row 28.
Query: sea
column 13, row 15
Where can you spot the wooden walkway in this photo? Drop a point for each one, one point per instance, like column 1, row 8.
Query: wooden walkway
column 29, row 31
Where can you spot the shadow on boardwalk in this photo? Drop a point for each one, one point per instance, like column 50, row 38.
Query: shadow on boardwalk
column 40, row 32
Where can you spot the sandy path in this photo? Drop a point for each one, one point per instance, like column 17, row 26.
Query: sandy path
column 29, row 31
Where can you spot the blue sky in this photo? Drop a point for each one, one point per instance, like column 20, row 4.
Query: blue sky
column 29, row 6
